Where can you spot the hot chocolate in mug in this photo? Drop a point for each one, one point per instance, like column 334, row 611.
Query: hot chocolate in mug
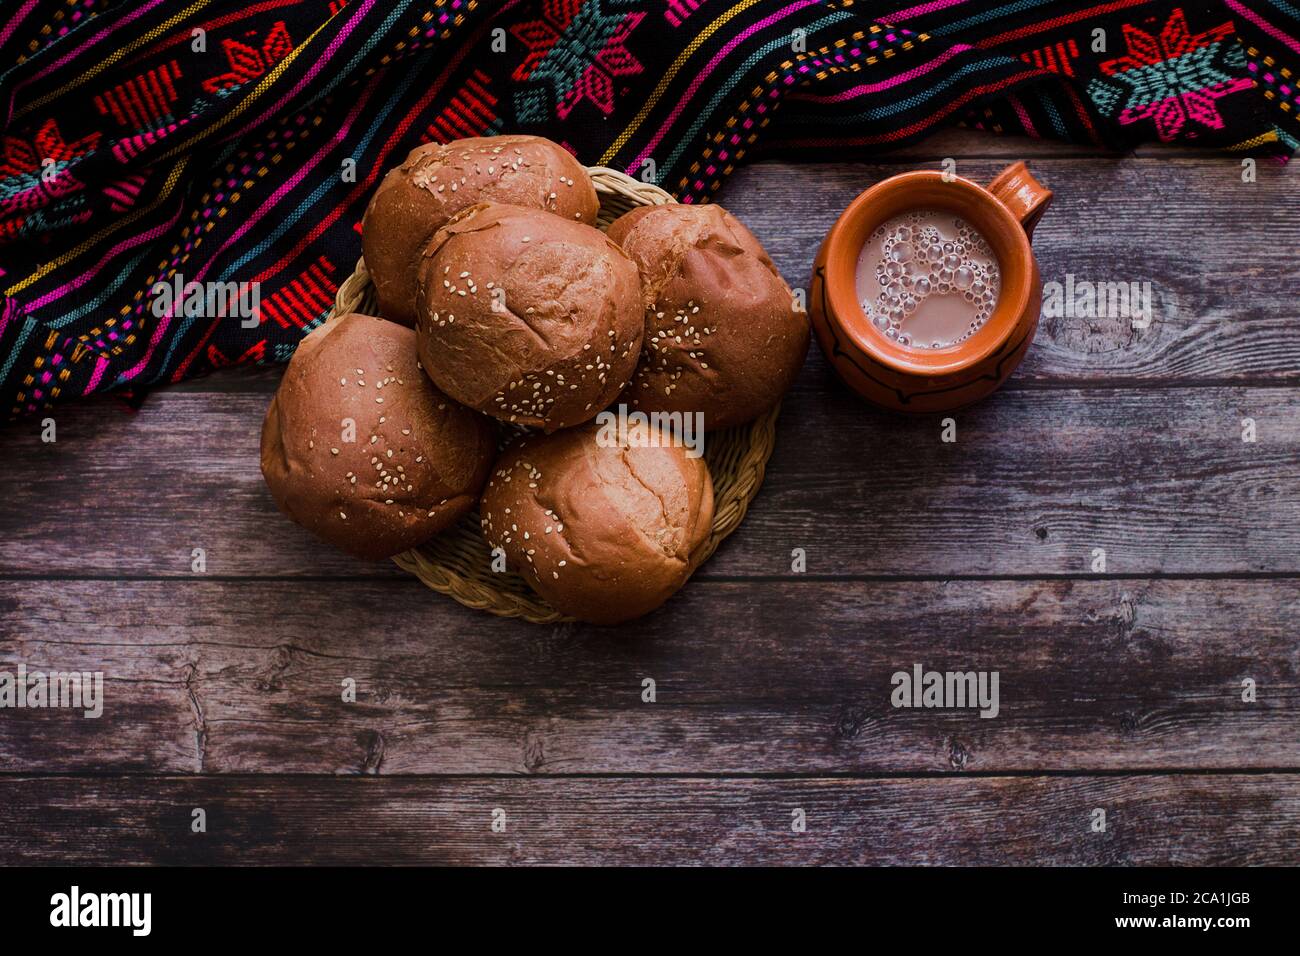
column 926, row 293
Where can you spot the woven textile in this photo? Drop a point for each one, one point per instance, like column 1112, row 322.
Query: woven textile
column 155, row 143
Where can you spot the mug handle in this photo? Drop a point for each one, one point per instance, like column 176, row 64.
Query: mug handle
column 1017, row 189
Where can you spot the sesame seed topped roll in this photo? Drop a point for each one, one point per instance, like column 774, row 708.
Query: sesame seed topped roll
column 438, row 180
column 723, row 335
column 362, row 450
column 528, row 317
column 604, row 530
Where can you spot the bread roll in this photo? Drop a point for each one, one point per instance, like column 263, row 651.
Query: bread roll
column 412, row 463
column 437, row 181
column 722, row 335
column 528, row 317
column 602, row 531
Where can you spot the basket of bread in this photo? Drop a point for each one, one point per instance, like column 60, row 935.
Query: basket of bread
column 548, row 391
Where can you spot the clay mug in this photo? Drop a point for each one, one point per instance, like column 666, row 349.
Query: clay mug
column 931, row 380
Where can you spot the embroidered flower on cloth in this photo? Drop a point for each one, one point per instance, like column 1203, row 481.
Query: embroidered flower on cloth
column 1172, row 77
column 574, row 54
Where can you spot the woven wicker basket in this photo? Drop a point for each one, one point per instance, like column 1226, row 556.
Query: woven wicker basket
column 458, row 562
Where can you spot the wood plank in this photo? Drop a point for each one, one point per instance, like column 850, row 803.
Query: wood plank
column 1219, row 254
column 1037, row 479
column 783, row 677
column 1034, row 484
column 131, row 493
column 1180, row 820
column 263, row 379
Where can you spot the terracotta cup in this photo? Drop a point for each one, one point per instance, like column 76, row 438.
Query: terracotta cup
column 932, row 380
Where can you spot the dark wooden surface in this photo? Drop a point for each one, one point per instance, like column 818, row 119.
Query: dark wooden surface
column 1119, row 690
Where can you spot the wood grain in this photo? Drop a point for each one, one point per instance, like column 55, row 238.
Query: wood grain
column 1035, row 481
column 1219, row 254
column 1119, row 691
column 240, row 677
column 1181, row 820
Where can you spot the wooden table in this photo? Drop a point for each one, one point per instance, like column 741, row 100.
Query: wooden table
column 1120, row 691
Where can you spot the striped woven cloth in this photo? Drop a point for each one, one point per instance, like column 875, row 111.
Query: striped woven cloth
column 153, row 143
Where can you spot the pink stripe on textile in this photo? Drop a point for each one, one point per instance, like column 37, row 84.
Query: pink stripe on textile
column 316, row 67
column 96, row 38
column 93, row 271
column 1025, row 121
column 262, row 210
column 154, row 339
column 100, row 366
column 709, row 68
column 18, row 18
column 7, row 313
column 865, row 88
column 920, row 10
column 73, row 54
column 1268, row 28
